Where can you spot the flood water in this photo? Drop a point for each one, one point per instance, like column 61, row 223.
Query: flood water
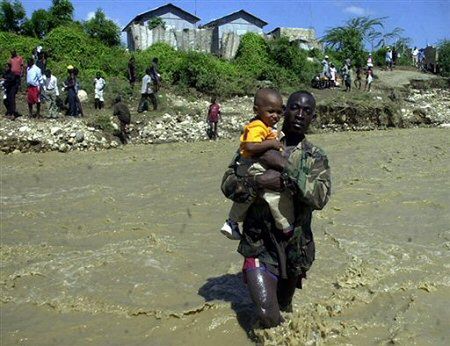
column 122, row 247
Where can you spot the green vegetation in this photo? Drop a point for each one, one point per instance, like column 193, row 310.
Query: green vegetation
column 348, row 41
column 277, row 63
column 444, row 58
column 155, row 22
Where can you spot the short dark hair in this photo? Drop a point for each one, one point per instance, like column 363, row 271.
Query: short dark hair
column 148, row 70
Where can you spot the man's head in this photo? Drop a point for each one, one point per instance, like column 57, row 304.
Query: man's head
column 118, row 99
column 48, row 73
column 148, row 71
column 155, row 60
column 268, row 106
column 13, row 53
column 99, row 75
column 300, row 111
column 30, row 62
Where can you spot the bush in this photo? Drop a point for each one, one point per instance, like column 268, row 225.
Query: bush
column 22, row 44
column 444, row 58
column 252, row 56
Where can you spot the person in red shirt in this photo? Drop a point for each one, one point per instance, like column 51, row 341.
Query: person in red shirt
column 16, row 63
column 213, row 118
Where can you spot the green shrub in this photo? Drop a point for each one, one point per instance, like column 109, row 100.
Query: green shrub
column 22, row 44
column 252, row 56
column 444, row 58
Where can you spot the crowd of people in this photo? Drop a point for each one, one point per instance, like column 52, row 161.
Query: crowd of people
column 42, row 87
column 328, row 78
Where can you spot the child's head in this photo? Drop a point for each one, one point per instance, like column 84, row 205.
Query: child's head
column 48, row 73
column 268, row 106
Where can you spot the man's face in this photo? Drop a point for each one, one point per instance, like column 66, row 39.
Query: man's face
column 270, row 110
column 300, row 111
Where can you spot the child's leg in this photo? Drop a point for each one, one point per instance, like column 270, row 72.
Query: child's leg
column 282, row 209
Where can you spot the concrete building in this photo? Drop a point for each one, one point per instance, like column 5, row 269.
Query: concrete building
column 140, row 36
column 305, row 38
column 227, row 30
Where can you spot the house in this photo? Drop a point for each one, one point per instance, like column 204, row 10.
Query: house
column 305, row 38
column 231, row 26
column 139, row 34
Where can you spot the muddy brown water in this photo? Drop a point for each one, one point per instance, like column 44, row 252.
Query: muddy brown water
column 121, row 247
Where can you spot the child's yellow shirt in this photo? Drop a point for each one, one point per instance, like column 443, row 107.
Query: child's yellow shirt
column 256, row 132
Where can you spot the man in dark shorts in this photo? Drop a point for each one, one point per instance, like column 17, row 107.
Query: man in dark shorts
column 275, row 263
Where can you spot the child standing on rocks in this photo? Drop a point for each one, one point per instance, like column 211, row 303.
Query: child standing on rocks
column 259, row 137
column 213, row 118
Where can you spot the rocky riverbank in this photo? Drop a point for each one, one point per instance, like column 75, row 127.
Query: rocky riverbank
column 185, row 121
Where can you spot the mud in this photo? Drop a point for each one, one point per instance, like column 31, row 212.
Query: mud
column 121, row 247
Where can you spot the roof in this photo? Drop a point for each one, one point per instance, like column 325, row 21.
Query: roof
column 163, row 10
column 228, row 18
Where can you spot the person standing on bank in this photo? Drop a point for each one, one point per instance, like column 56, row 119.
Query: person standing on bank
column 99, row 86
column 147, row 92
column 34, row 82
column 213, row 118
column 51, row 93
column 275, row 263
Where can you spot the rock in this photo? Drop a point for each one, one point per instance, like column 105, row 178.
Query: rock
column 63, row 148
column 24, row 129
column 16, row 151
column 55, row 130
column 79, row 137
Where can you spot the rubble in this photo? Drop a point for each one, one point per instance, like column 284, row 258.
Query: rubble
column 186, row 122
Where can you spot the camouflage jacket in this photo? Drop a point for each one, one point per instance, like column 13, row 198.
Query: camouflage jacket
column 308, row 176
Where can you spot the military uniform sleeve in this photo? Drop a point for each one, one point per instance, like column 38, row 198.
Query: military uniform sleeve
column 309, row 171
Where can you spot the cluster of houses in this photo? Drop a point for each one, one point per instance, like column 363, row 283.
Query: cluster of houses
column 221, row 36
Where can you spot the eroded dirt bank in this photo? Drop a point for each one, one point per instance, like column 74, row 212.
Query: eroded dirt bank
column 121, row 247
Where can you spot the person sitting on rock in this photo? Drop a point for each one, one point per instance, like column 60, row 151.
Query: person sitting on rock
column 123, row 114
column 259, row 137
column 99, row 86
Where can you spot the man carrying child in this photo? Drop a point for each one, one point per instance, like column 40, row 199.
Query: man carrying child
column 259, row 137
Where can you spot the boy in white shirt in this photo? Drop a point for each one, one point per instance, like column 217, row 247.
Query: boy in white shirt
column 99, row 85
column 51, row 92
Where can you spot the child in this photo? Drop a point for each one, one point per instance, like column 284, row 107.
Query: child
column 99, row 84
column 333, row 72
column 258, row 137
column 51, row 92
column 213, row 118
column 369, row 79
column 123, row 114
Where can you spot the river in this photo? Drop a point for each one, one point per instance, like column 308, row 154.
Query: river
column 121, row 247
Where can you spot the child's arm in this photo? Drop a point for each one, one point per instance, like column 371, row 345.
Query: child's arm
column 256, row 148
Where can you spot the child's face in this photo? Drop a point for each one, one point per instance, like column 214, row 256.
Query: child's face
column 270, row 110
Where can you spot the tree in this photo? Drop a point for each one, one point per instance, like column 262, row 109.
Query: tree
column 39, row 24
column 61, row 11
column 444, row 58
column 103, row 29
column 12, row 16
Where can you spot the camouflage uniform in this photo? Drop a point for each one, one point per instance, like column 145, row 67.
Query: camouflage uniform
column 308, row 176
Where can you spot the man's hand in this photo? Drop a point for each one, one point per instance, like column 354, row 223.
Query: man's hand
column 271, row 180
column 273, row 159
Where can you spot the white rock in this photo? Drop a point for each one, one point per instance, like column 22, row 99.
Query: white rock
column 55, row 130
column 24, row 129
